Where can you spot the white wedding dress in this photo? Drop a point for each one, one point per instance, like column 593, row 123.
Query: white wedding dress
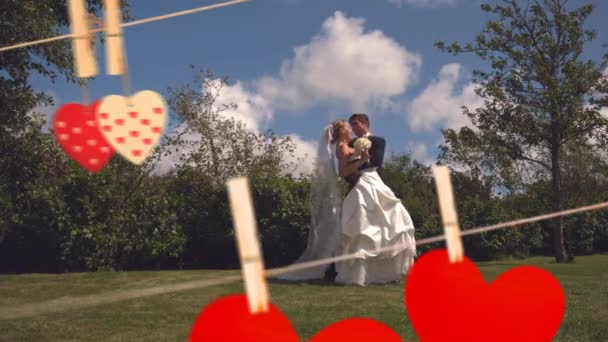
column 373, row 218
column 369, row 218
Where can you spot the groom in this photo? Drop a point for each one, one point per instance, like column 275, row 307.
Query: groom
column 360, row 125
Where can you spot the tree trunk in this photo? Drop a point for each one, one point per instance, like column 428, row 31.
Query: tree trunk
column 214, row 158
column 557, row 232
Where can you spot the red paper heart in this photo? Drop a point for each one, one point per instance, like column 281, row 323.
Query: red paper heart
column 133, row 125
column 77, row 132
column 452, row 302
column 228, row 319
column 357, row 330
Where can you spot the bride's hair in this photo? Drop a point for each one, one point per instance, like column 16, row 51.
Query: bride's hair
column 336, row 127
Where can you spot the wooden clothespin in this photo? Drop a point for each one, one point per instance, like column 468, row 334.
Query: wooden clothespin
column 449, row 217
column 252, row 263
column 115, row 55
column 84, row 56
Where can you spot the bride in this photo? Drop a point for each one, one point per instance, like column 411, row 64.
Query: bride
column 369, row 218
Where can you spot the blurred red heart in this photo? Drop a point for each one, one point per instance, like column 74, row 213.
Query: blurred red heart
column 452, row 302
column 444, row 302
column 228, row 319
column 357, row 330
column 76, row 130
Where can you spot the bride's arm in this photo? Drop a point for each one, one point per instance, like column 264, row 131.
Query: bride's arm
column 348, row 151
column 346, row 168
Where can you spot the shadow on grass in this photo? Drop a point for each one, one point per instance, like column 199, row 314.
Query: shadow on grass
column 325, row 282
column 318, row 282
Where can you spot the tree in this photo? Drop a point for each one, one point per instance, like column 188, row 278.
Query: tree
column 539, row 96
column 208, row 147
column 27, row 20
column 20, row 140
column 208, row 139
column 27, row 157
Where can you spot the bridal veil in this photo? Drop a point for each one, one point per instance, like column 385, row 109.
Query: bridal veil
column 325, row 205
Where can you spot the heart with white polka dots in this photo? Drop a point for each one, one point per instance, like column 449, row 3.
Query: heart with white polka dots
column 134, row 125
column 75, row 129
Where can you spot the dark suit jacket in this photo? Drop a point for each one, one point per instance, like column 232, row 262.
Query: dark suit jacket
column 376, row 158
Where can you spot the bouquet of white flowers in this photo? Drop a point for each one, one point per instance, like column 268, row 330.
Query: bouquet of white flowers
column 361, row 145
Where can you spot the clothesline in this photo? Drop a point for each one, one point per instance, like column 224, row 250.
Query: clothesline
column 479, row 230
column 63, row 304
column 131, row 23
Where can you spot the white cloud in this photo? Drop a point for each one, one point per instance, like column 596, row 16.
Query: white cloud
column 343, row 65
column 440, row 104
column 423, row 3
column 420, row 152
column 252, row 109
column 304, row 154
column 171, row 158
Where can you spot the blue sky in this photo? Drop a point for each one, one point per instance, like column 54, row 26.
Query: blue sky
column 298, row 64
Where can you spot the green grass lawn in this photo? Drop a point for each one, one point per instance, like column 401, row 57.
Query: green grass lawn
column 310, row 306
